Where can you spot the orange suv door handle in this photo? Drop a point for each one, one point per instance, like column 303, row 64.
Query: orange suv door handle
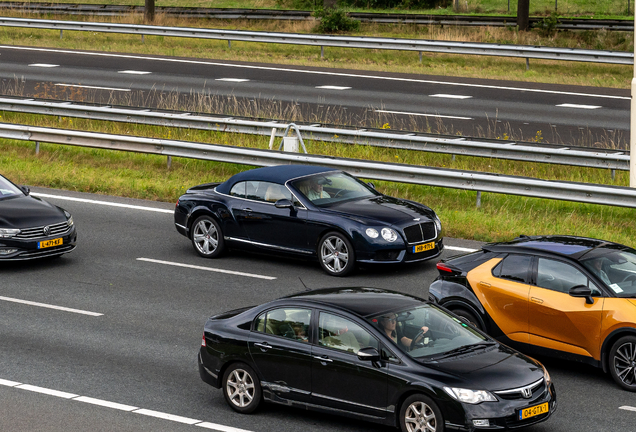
column 484, row 285
column 536, row 300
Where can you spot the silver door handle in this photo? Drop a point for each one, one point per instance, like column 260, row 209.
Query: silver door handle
column 263, row 345
column 247, row 209
column 323, row 359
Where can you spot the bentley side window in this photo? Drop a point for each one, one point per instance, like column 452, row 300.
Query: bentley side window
column 558, row 276
column 238, row 190
column 342, row 334
column 290, row 323
column 514, row 267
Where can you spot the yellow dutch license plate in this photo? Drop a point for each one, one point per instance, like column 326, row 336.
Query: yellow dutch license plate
column 423, row 247
column 49, row 243
column 533, row 411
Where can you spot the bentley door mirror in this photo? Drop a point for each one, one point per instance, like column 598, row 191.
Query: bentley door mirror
column 25, row 189
column 582, row 291
column 284, row 203
column 371, row 184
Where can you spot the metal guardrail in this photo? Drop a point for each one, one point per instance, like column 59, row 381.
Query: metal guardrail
column 299, row 15
column 447, row 47
column 439, row 177
column 465, row 146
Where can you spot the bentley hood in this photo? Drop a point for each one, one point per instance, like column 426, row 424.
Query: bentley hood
column 383, row 209
column 27, row 212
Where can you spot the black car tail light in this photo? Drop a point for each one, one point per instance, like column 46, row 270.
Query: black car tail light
column 203, row 340
column 447, row 270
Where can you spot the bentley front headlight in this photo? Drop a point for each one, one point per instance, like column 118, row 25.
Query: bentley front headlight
column 389, row 235
column 372, row 232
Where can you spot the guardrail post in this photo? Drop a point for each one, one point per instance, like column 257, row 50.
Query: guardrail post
column 613, row 174
column 478, row 199
column 527, row 63
column 229, row 44
column 169, row 161
column 271, row 138
column 453, row 159
column 61, row 33
column 142, row 39
column 37, row 147
column 420, row 56
column 322, row 52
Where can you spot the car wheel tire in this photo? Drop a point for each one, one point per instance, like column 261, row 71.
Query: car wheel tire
column 469, row 316
column 622, row 362
column 336, row 255
column 242, row 388
column 207, row 237
column 420, row 413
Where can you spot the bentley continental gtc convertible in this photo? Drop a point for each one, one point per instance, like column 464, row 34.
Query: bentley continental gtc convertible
column 569, row 297
column 374, row 355
column 30, row 227
column 314, row 212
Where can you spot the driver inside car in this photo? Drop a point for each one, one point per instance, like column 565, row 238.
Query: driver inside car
column 388, row 323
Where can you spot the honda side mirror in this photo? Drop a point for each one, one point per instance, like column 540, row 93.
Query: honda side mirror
column 369, row 354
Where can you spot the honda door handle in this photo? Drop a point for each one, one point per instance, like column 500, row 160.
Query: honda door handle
column 264, row 345
column 323, row 359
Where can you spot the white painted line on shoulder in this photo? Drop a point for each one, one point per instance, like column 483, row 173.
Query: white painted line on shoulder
column 43, row 65
column 92, row 87
column 423, row 115
column 238, row 80
column 450, row 96
column 106, row 404
column 122, row 407
column 460, row 249
column 232, row 272
column 106, row 203
column 219, row 427
column 310, row 72
column 330, row 87
column 165, row 416
column 134, row 72
column 628, row 408
column 46, row 391
column 48, row 306
column 566, row 105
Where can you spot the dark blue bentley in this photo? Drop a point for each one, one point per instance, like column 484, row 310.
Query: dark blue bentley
column 309, row 211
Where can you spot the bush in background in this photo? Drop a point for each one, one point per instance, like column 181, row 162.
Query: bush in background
column 333, row 20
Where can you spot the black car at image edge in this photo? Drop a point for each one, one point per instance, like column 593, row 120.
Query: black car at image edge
column 30, row 227
column 329, row 350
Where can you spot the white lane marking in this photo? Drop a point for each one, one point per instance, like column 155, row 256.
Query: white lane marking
column 450, row 96
column 134, row 72
column 118, row 406
column 43, row 65
column 460, row 249
column 92, row 87
column 106, row 404
column 219, row 427
column 329, row 87
column 89, row 201
column 165, row 416
column 423, row 115
column 46, row 391
column 232, row 79
column 48, row 306
column 311, row 72
column 236, row 273
column 628, row 408
column 566, row 105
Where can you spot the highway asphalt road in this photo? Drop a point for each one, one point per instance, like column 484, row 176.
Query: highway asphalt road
column 562, row 114
column 124, row 357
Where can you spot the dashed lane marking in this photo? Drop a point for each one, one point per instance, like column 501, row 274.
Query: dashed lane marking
column 423, row 115
column 232, row 272
column 566, row 105
column 121, row 407
column 460, row 249
column 330, row 87
column 93, row 87
column 450, row 96
column 49, row 306
column 237, row 80
column 44, row 65
column 134, row 72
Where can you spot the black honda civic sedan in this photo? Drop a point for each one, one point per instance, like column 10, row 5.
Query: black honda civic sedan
column 30, row 227
column 313, row 212
column 376, row 355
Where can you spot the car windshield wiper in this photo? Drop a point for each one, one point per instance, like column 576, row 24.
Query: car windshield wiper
column 465, row 349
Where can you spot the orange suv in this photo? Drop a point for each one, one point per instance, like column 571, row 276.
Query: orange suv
column 570, row 297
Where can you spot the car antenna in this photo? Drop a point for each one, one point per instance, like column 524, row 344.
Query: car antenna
column 301, row 281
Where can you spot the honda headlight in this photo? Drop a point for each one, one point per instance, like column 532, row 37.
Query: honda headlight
column 546, row 376
column 8, row 232
column 372, row 232
column 389, row 235
column 470, row 396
